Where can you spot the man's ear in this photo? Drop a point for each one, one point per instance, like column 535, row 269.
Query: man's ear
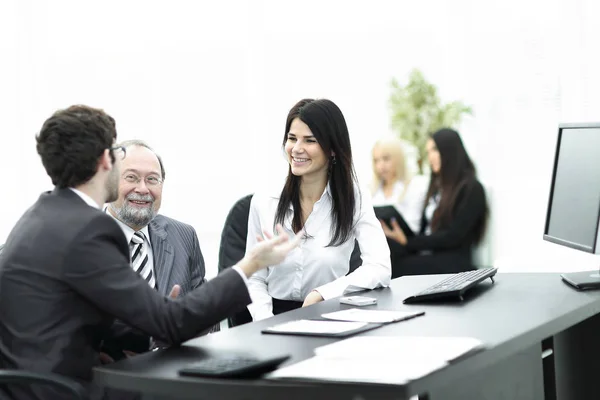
column 105, row 162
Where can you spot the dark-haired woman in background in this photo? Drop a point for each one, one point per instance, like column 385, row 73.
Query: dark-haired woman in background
column 454, row 215
column 321, row 197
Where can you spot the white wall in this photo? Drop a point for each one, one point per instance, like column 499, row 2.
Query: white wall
column 209, row 84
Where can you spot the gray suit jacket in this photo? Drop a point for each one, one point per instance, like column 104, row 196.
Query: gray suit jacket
column 65, row 276
column 177, row 256
column 177, row 261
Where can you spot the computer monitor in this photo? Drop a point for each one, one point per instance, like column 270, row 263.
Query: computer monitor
column 573, row 214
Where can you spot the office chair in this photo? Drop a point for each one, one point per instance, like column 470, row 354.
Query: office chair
column 20, row 377
column 233, row 248
column 483, row 252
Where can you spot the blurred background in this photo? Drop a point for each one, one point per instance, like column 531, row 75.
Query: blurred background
column 209, row 85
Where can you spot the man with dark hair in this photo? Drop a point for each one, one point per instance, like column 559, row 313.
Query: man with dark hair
column 65, row 271
column 70, row 158
column 164, row 251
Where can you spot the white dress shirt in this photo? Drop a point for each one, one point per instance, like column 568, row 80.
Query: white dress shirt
column 313, row 265
column 89, row 201
column 411, row 206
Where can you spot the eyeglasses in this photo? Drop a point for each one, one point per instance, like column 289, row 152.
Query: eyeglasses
column 123, row 151
column 150, row 181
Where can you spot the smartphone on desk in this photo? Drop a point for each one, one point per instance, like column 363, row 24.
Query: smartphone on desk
column 358, row 300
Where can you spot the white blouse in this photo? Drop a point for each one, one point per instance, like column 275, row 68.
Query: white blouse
column 379, row 198
column 313, row 265
column 411, row 206
column 432, row 205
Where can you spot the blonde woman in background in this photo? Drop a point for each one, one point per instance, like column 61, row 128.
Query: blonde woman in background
column 393, row 184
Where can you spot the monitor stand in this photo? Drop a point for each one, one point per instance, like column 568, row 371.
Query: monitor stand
column 583, row 280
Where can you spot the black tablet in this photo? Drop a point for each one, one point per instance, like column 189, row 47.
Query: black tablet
column 386, row 213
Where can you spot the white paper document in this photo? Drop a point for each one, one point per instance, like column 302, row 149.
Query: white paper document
column 385, row 371
column 379, row 359
column 401, row 348
column 317, row 327
column 372, row 316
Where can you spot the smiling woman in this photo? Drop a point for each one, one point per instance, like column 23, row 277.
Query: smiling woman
column 454, row 214
column 305, row 156
column 321, row 200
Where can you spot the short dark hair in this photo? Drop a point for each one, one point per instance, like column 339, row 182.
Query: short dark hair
column 326, row 122
column 71, row 141
column 140, row 143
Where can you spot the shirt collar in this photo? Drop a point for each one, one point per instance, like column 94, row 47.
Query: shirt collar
column 328, row 189
column 326, row 193
column 89, row 201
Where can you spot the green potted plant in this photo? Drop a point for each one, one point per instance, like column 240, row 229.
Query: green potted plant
column 417, row 111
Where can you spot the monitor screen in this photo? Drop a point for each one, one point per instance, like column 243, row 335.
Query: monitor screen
column 574, row 205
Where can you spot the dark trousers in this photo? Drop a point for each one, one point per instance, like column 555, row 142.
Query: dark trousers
column 281, row 306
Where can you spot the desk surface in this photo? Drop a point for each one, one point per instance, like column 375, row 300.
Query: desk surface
column 516, row 312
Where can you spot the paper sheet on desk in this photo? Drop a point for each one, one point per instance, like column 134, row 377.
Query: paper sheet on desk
column 310, row 326
column 373, row 316
column 379, row 359
column 401, row 348
column 387, row 371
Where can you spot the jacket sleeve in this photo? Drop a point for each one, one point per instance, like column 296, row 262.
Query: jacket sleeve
column 470, row 208
column 97, row 267
column 197, row 269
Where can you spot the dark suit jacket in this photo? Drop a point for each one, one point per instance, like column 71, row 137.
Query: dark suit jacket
column 177, row 261
column 64, row 278
column 177, row 256
column 449, row 249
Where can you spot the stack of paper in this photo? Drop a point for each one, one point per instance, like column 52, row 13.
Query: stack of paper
column 376, row 359
column 401, row 348
column 342, row 323
column 385, row 370
column 372, row 316
column 315, row 327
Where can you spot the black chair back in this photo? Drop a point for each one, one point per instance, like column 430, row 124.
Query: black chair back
column 20, row 377
column 233, row 246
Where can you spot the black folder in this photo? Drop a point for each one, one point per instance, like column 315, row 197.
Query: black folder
column 386, row 213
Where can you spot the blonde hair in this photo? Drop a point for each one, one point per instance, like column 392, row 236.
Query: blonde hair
column 392, row 146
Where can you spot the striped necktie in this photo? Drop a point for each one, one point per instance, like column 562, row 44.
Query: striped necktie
column 139, row 258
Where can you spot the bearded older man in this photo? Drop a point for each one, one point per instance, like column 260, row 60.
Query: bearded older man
column 165, row 252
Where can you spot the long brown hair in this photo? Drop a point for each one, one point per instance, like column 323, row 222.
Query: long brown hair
column 327, row 124
column 457, row 173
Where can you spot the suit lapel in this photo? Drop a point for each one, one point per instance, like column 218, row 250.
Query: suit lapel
column 163, row 254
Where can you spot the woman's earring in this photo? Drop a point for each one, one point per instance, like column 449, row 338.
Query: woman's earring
column 333, row 159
